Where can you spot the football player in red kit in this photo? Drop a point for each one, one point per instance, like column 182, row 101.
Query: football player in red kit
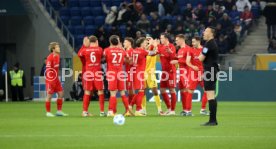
column 167, row 53
column 128, row 45
column 139, row 65
column 93, row 75
column 115, row 58
column 183, row 71
column 52, row 81
column 195, row 76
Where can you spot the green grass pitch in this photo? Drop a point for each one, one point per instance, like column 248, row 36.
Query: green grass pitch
column 241, row 125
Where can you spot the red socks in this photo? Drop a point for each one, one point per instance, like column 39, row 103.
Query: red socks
column 189, row 101
column 48, row 106
column 85, row 102
column 204, row 101
column 101, row 102
column 139, row 99
column 183, row 100
column 112, row 104
column 125, row 102
column 59, row 104
column 166, row 100
column 173, row 101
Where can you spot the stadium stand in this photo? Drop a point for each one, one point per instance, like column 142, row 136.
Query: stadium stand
column 83, row 17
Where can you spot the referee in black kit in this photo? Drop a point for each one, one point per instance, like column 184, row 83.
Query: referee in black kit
column 209, row 56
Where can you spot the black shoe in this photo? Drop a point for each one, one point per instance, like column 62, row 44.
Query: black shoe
column 210, row 124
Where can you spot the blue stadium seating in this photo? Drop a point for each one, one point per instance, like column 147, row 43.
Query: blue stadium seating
column 76, row 21
column 79, row 29
column 75, row 11
column 86, row 11
column 95, row 3
column 64, row 12
column 99, row 20
column 90, row 30
column 84, row 3
column 117, row 2
column 56, row 4
column 108, row 3
column 97, row 11
column 73, row 3
column 78, row 39
column 123, row 30
column 65, row 19
column 89, row 20
column 71, row 29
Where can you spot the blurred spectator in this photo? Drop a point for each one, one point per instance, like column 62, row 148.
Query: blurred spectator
column 222, row 44
column 231, row 39
column 150, row 7
column 130, row 31
column 175, row 8
column 237, row 30
column 211, row 21
column 179, row 21
column 241, row 5
column 169, row 29
column 110, row 14
column 272, row 45
column 179, row 30
column 225, row 22
column 77, row 89
column 161, row 8
column 188, row 11
column 229, row 4
column 17, row 83
column 63, row 2
column 144, row 24
column 219, row 30
column 138, row 35
column 234, row 14
column 220, row 12
column 156, row 31
column 122, row 11
column 270, row 15
column 43, row 68
column 102, row 36
column 246, row 18
column 199, row 12
column 219, row 2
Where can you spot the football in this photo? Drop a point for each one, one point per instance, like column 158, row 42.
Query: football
column 119, row 119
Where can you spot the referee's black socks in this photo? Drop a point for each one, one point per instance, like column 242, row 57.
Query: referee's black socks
column 213, row 110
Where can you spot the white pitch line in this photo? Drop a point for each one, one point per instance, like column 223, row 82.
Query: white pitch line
column 135, row 136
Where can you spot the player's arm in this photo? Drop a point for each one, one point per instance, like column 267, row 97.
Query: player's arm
column 203, row 54
column 188, row 62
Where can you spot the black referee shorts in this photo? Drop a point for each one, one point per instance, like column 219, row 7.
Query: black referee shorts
column 210, row 78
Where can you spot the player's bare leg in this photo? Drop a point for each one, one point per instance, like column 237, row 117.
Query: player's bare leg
column 204, row 101
column 189, row 99
column 48, row 105
column 85, row 103
column 112, row 108
column 139, row 98
column 101, row 102
column 157, row 100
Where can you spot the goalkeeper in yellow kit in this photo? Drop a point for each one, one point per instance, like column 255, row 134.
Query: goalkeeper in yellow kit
column 150, row 77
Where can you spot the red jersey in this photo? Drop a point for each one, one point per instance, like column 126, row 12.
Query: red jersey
column 129, row 54
column 166, row 57
column 92, row 57
column 139, row 59
column 114, row 58
column 194, row 53
column 52, row 68
column 182, row 56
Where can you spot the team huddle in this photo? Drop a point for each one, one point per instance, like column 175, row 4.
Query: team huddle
column 131, row 68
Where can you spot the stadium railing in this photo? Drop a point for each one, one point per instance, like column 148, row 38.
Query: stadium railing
column 63, row 28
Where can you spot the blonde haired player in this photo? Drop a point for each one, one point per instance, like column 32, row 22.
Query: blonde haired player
column 52, row 81
column 150, row 81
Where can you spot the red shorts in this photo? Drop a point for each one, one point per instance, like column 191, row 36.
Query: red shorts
column 139, row 80
column 52, row 88
column 195, row 78
column 115, row 80
column 168, row 80
column 93, row 82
